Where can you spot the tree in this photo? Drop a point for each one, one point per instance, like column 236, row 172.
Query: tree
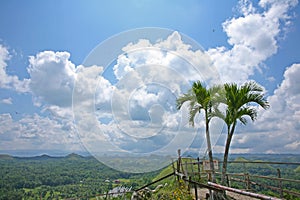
column 239, row 102
column 200, row 98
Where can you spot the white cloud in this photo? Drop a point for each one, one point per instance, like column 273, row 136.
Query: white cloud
column 122, row 67
column 10, row 81
column 171, row 52
column 52, row 77
column 271, row 79
column 276, row 129
column 253, row 37
column 149, row 77
column 254, row 32
column 133, row 112
column 90, row 85
column 174, row 43
column 171, row 120
column 7, row 101
column 143, row 98
column 103, row 93
column 285, row 101
column 34, row 132
column 294, row 146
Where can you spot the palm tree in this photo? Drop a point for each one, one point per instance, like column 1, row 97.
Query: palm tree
column 239, row 101
column 200, row 98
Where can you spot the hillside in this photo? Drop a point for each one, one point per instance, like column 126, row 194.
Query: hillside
column 60, row 177
column 74, row 175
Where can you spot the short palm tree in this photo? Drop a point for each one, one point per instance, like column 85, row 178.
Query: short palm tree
column 238, row 101
column 200, row 98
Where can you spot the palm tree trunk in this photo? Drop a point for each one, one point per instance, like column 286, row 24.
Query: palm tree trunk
column 209, row 149
column 227, row 146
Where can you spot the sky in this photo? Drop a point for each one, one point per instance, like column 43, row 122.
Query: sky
column 103, row 76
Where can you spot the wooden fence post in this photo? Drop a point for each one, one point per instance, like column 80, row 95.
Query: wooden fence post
column 178, row 160
column 280, row 183
column 185, row 172
column 228, row 180
column 192, row 169
column 199, row 171
column 179, row 163
column 196, row 191
column 247, row 179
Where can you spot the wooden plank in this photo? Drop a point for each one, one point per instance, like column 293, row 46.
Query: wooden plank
column 275, row 178
column 171, row 174
column 250, row 194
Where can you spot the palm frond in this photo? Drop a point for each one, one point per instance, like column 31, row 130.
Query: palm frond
column 246, row 111
column 238, row 100
column 189, row 96
column 216, row 112
column 193, row 112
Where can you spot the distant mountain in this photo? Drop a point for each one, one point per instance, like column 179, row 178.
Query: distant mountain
column 35, row 152
column 71, row 156
column 44, row 157
column 40, row 157
column 294, row 158
column 5, row 157
column 74, row 156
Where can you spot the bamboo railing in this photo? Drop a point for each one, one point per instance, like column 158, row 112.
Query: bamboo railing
column 245, row 178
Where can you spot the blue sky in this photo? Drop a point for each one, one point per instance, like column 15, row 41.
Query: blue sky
column 45, row 44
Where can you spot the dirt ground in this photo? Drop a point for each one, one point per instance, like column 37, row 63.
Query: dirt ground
column 202, row 195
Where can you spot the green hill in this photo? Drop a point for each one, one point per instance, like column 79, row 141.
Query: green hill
column 5, row 157
column 297, row 170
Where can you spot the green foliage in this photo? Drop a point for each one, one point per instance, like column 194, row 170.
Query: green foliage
column 75, row 176
column 297, row 170
column 175, row 190
column 165, row 171
column 238, row 100
column 61, row 177
column 200, row 98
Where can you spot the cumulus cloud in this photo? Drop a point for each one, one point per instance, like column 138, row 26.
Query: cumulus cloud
column 52, row 77
column 7, row 101
column 134, row 107
column 51, row 83
column 10, row 81
column 253, row 38
column 277, row 129
column 285, row 100
column 151, row 75
column 173, row 52
column 34, row 132
column 138, row 113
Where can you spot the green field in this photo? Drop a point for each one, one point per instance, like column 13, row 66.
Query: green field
column 75, row 176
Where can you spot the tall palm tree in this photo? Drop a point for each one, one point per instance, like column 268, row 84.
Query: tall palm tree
column 238, row 101
column 200, row 98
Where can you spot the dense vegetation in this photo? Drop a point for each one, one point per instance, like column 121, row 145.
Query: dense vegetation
column 74, row 176
column 61, row 177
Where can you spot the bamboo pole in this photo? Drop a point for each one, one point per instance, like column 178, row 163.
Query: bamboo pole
column 251, row 194
column 280, row 183
column 171, row 174
column 275, row 178
column 199, row 170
